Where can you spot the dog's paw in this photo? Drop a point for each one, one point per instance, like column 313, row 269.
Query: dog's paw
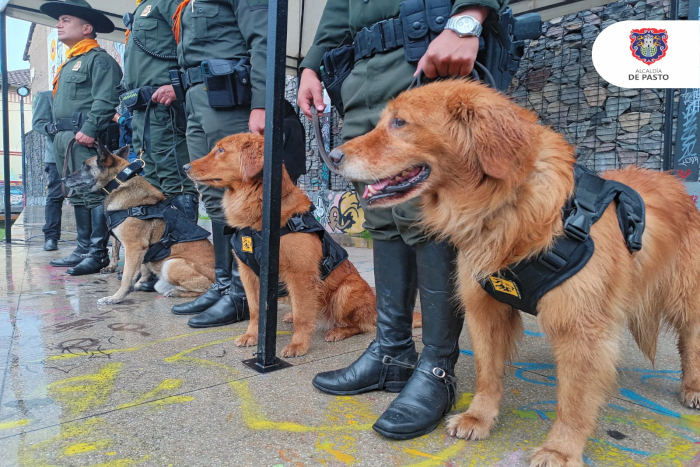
column 173, row 293
column 469, row 426
column 543, row 457
column 109, row 300
column 109, row 269
column 288, row 317
column 247, row 340
column 295, row 350
column 338, row 334
column 691, row 399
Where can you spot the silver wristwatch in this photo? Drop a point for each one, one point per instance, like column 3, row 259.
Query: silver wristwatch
column 464, row 26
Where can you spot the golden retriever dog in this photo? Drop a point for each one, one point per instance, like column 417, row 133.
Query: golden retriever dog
column 344, row 299
column 493, row 182
column 189, row 269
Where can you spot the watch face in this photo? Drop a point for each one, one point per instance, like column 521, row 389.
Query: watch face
column 465, row 23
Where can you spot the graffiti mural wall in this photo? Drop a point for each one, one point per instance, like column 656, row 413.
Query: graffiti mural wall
column 339, row 212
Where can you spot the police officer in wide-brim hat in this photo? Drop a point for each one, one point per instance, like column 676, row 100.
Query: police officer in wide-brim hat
column 80, row 9
column 84, row 103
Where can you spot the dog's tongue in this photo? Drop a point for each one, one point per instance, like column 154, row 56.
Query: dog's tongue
column 376, row 187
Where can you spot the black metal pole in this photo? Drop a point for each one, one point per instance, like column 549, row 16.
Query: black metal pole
column 24, row 156
column 5, row 125
column 668, row 111
column 272, row 188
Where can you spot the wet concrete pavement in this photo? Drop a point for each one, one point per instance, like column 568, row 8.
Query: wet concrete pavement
column 132, row 384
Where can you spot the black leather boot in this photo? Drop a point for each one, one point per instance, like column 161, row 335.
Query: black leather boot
column 388, row 361
column 83, row 225
column 98, row 257
column 223, row 257
column 431, row 391
column 51, row 245
column 231, row 308
column 188, row 204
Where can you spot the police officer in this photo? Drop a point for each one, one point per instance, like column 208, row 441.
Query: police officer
column 85, row 99
column 150, row 52
column 404, row 258
column 207, row 30
column 42, row 116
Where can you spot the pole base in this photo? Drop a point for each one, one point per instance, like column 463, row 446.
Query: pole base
column 277, row 365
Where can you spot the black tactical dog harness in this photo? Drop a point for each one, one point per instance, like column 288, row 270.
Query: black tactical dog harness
column 178, row 228
column 521, row 285
column 247, row 243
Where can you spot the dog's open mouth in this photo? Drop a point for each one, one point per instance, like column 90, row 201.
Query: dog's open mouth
column 398, row 186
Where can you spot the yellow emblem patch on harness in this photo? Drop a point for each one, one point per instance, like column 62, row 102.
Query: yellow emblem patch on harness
column 247, row 244
column 504, row 286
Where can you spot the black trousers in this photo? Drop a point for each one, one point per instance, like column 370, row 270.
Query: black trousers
column 54, row 203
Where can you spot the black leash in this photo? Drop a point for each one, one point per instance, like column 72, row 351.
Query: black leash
column 146, row 140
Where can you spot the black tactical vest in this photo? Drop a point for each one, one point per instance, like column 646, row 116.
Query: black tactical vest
column 522, row 285
column 247, row 243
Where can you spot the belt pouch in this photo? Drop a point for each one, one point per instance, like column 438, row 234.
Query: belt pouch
column 414, row 24
column 137, row 99
column 241, row 82
column 218, row 80
column 337, row 64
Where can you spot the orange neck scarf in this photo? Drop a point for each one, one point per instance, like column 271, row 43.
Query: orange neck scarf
column 177, row 17
column 78, row 49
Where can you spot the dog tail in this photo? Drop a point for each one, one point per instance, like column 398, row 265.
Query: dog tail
column 163, row 286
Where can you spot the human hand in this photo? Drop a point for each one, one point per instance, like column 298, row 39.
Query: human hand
column 84, row 140
column 256, row 123
column 164, row 95
column 310, row 92
column 451, row 55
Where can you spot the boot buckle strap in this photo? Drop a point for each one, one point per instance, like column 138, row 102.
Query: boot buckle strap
column 388, row 360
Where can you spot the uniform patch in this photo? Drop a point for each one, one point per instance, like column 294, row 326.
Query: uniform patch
column 77, row 65
column 504, row 286
column 102, row 63
column 146, row 10
column 247, row 244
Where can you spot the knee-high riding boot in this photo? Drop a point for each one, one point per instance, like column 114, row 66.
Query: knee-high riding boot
column 83, row 226
column 98, row 257
column 430, row 393
column 232, row 306
column 223, row 256
column 388, row 361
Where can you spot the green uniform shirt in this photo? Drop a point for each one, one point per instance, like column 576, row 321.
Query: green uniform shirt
column 153, row 28
column 226, row 29
column 88, row 84
column 42, row 115
column 343, row 18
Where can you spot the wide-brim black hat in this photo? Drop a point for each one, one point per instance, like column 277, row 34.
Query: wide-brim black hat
column 81, row 9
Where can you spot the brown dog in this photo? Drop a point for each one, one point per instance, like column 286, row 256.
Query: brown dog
column 494, row 182
column 343, row 299
column 187, row 272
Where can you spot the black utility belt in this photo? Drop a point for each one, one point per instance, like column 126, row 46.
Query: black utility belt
column 418, row 23
column 73, row 123
column 227, row 82
column 137, row 99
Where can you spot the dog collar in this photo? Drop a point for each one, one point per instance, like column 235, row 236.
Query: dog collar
column 128, row 172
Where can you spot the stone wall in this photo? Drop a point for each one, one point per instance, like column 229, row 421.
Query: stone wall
column 612, row 127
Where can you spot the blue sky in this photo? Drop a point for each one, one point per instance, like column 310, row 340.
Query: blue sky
column 17, row 31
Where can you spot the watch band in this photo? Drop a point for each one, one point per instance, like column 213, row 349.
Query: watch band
column 457, row 24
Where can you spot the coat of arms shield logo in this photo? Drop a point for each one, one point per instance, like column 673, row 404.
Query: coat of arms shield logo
column 649, row 45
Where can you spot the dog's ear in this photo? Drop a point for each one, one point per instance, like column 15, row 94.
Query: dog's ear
column 123, row 153
column 105, row 158
column 252, row 153
column 501, row 137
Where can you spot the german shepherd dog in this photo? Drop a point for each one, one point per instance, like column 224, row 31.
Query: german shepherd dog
column 187, row 272
column 344, row 299
column 493, row 182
